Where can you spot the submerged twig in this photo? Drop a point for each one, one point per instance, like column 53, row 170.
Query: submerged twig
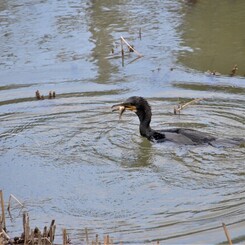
column 181, row 107
column 13, row 197
column 132, row 61
column 86, row 236
column 227, row 234
column 122, row 50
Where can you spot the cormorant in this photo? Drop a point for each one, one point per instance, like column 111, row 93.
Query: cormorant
column 142, row 109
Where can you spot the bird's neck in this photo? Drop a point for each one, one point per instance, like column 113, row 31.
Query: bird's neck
column 145, row 129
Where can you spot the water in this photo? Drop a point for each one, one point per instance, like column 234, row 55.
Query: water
column 72, row 160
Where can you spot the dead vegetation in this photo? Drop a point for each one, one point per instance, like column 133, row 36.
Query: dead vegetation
column 180, row 107
column 47, row 235
column 40, row 96
column 232, row 73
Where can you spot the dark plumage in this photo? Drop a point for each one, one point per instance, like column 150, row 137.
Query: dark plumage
column 177, row 135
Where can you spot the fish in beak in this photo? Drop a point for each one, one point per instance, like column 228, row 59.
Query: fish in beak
column 123, row 107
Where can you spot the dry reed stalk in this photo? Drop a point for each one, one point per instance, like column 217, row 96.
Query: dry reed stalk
column 227, row 233
column 26, row 228
column 96, row 239
column 1, row 240
column 181, row 107
column 64, row 237
column 3, row 221
column 46, row 240
column 106, row 240
column 31, row 238
column 52, row 233
column 39, row 238
column 130, row 47
column 122, row 48
column 86, row 236
column 45, row 232
column 51, row 230
column 3, row 233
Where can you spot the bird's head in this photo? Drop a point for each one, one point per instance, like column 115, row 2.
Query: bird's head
column 136, row 104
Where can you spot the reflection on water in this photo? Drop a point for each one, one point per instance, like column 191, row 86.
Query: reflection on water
column 212, row 36
column 101, row 35
column 72, row 159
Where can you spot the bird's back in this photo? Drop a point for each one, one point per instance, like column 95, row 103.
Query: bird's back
column 185, row 136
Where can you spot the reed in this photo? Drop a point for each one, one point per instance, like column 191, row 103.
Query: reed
column 65, row 238
column 227, row 234
column 140, row 33
column 51, row 95
column 2, row 219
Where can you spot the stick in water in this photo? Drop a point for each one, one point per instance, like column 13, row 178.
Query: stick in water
column 12, row 196
column 180, row 107
column 3, row 213
column 227, row 234
column 139, row 54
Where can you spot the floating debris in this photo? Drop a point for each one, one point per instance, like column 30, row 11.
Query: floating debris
column 214, row 73
column 180, row 107
column 132, row 49
column 234, row 70
column 38, row 95
column 51, row 95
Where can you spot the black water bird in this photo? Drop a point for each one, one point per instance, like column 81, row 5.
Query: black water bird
column 142, row 109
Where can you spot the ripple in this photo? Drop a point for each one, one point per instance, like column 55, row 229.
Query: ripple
column 71, row 158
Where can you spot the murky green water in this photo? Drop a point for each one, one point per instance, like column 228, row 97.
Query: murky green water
column 71, row 159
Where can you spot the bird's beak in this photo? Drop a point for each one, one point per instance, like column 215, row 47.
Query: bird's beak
column 122, row 108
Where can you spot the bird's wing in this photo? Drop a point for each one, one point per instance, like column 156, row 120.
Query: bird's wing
column 196, row 136
column 185, row 136
column 178, row 138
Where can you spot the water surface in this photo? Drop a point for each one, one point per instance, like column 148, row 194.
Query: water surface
column 71, row 159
